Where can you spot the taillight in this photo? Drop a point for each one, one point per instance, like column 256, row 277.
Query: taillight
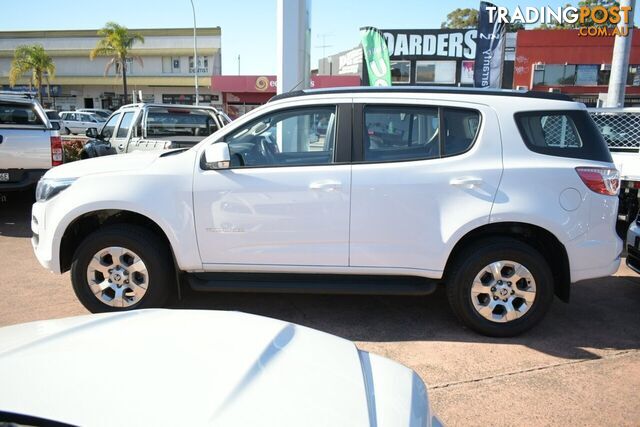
column 56, row 151
column 601, row 180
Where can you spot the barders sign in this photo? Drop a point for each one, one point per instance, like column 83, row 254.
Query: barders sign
column 431, row 44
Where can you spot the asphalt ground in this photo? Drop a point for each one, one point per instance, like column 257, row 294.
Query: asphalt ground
column 580, row 366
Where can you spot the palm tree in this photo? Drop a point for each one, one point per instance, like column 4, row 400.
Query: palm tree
column 33, row 59
column 116, row 42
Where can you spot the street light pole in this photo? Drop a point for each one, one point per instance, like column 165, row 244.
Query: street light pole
column 195, row 53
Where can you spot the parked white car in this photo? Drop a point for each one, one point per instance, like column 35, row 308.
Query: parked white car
column 196, row 368
column 104, row 113
column 78, row 122
column 507, row 197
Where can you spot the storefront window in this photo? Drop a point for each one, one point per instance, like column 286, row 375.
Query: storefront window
column 440, row 72
column 555, row 75
column 586, row 75
column 633, row 79
column 400, row 71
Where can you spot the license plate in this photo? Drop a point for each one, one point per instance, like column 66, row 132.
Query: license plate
column 4, row 176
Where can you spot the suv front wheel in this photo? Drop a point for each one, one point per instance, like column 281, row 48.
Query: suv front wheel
column 122, row 267
column 500, row 287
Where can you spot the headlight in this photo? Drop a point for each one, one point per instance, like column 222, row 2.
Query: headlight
column 47, row 188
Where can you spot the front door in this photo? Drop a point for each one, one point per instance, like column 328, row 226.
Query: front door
column 121, row 134
column 285, row 199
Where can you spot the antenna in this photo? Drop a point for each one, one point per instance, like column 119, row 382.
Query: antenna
column 324, row 44
column 296, row 86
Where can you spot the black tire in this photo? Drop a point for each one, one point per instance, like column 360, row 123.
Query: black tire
column 68, row 132
column 148, row 246
column 473, row 259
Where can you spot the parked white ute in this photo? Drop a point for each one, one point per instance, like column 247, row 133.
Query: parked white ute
column 507, row 197
column 196, row 368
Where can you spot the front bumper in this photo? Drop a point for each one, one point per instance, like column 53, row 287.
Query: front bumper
column 633, row 247
column 42, row 239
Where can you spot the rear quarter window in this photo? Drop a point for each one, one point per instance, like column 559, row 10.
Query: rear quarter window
column 18, row 114
column 569, row 133
column 53, row 115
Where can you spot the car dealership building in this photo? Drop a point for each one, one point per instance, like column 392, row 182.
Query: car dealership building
column 165, row 75
column 563, row 61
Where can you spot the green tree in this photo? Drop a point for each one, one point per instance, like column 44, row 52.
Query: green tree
column 117, row 42
column 461, row 19
column 468, row 18
column 32, row 59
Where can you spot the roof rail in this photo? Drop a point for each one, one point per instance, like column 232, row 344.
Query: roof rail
column 425, row 89
column 16, row 94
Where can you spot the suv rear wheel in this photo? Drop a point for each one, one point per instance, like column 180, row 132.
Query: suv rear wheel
column 122, row 267
column 500, row 287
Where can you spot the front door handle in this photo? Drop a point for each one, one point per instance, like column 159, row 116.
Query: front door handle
column 326, row 185
column 467, row 182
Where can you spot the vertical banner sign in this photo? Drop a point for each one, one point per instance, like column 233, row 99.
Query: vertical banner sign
column 376, row 55
column 487, row 71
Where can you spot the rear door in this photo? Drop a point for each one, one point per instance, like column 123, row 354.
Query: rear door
column 423, row 174
column 24, row 139
column 72, row 120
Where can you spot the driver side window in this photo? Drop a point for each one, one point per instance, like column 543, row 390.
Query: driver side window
column 107, row 130
column 304, row 136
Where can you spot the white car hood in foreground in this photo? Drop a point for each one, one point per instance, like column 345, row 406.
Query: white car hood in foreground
column 106, row 164
column 184, row 367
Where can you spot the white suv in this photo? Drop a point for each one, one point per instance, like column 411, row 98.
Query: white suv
column 506, row 197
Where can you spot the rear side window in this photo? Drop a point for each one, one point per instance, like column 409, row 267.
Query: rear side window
column 397, row 133
column 18, row 114
column 53, row 115
column 570, row 133
column 177, row 121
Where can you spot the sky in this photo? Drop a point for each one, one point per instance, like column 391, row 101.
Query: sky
column 248, row 26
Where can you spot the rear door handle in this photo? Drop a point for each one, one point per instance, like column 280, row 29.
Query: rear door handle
column 467, row 182
column 325, row 185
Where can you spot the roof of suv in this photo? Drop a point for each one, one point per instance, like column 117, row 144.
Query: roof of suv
column 425, row 89
column 151, row 104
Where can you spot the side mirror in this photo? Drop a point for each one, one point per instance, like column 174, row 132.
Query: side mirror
column 217, row 156
column 55, row 125
column 92, row 133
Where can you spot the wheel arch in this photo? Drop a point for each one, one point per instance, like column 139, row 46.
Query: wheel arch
column 541, row 239
column 89, row 222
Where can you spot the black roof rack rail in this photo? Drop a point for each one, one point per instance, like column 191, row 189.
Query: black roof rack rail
column 426, row 89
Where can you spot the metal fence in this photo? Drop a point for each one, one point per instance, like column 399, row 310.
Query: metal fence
column 620, row 127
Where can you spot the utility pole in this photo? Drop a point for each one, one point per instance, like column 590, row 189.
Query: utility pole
column 238, row 64
column 195, row 53
column 293, row 34
column 620, row 59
